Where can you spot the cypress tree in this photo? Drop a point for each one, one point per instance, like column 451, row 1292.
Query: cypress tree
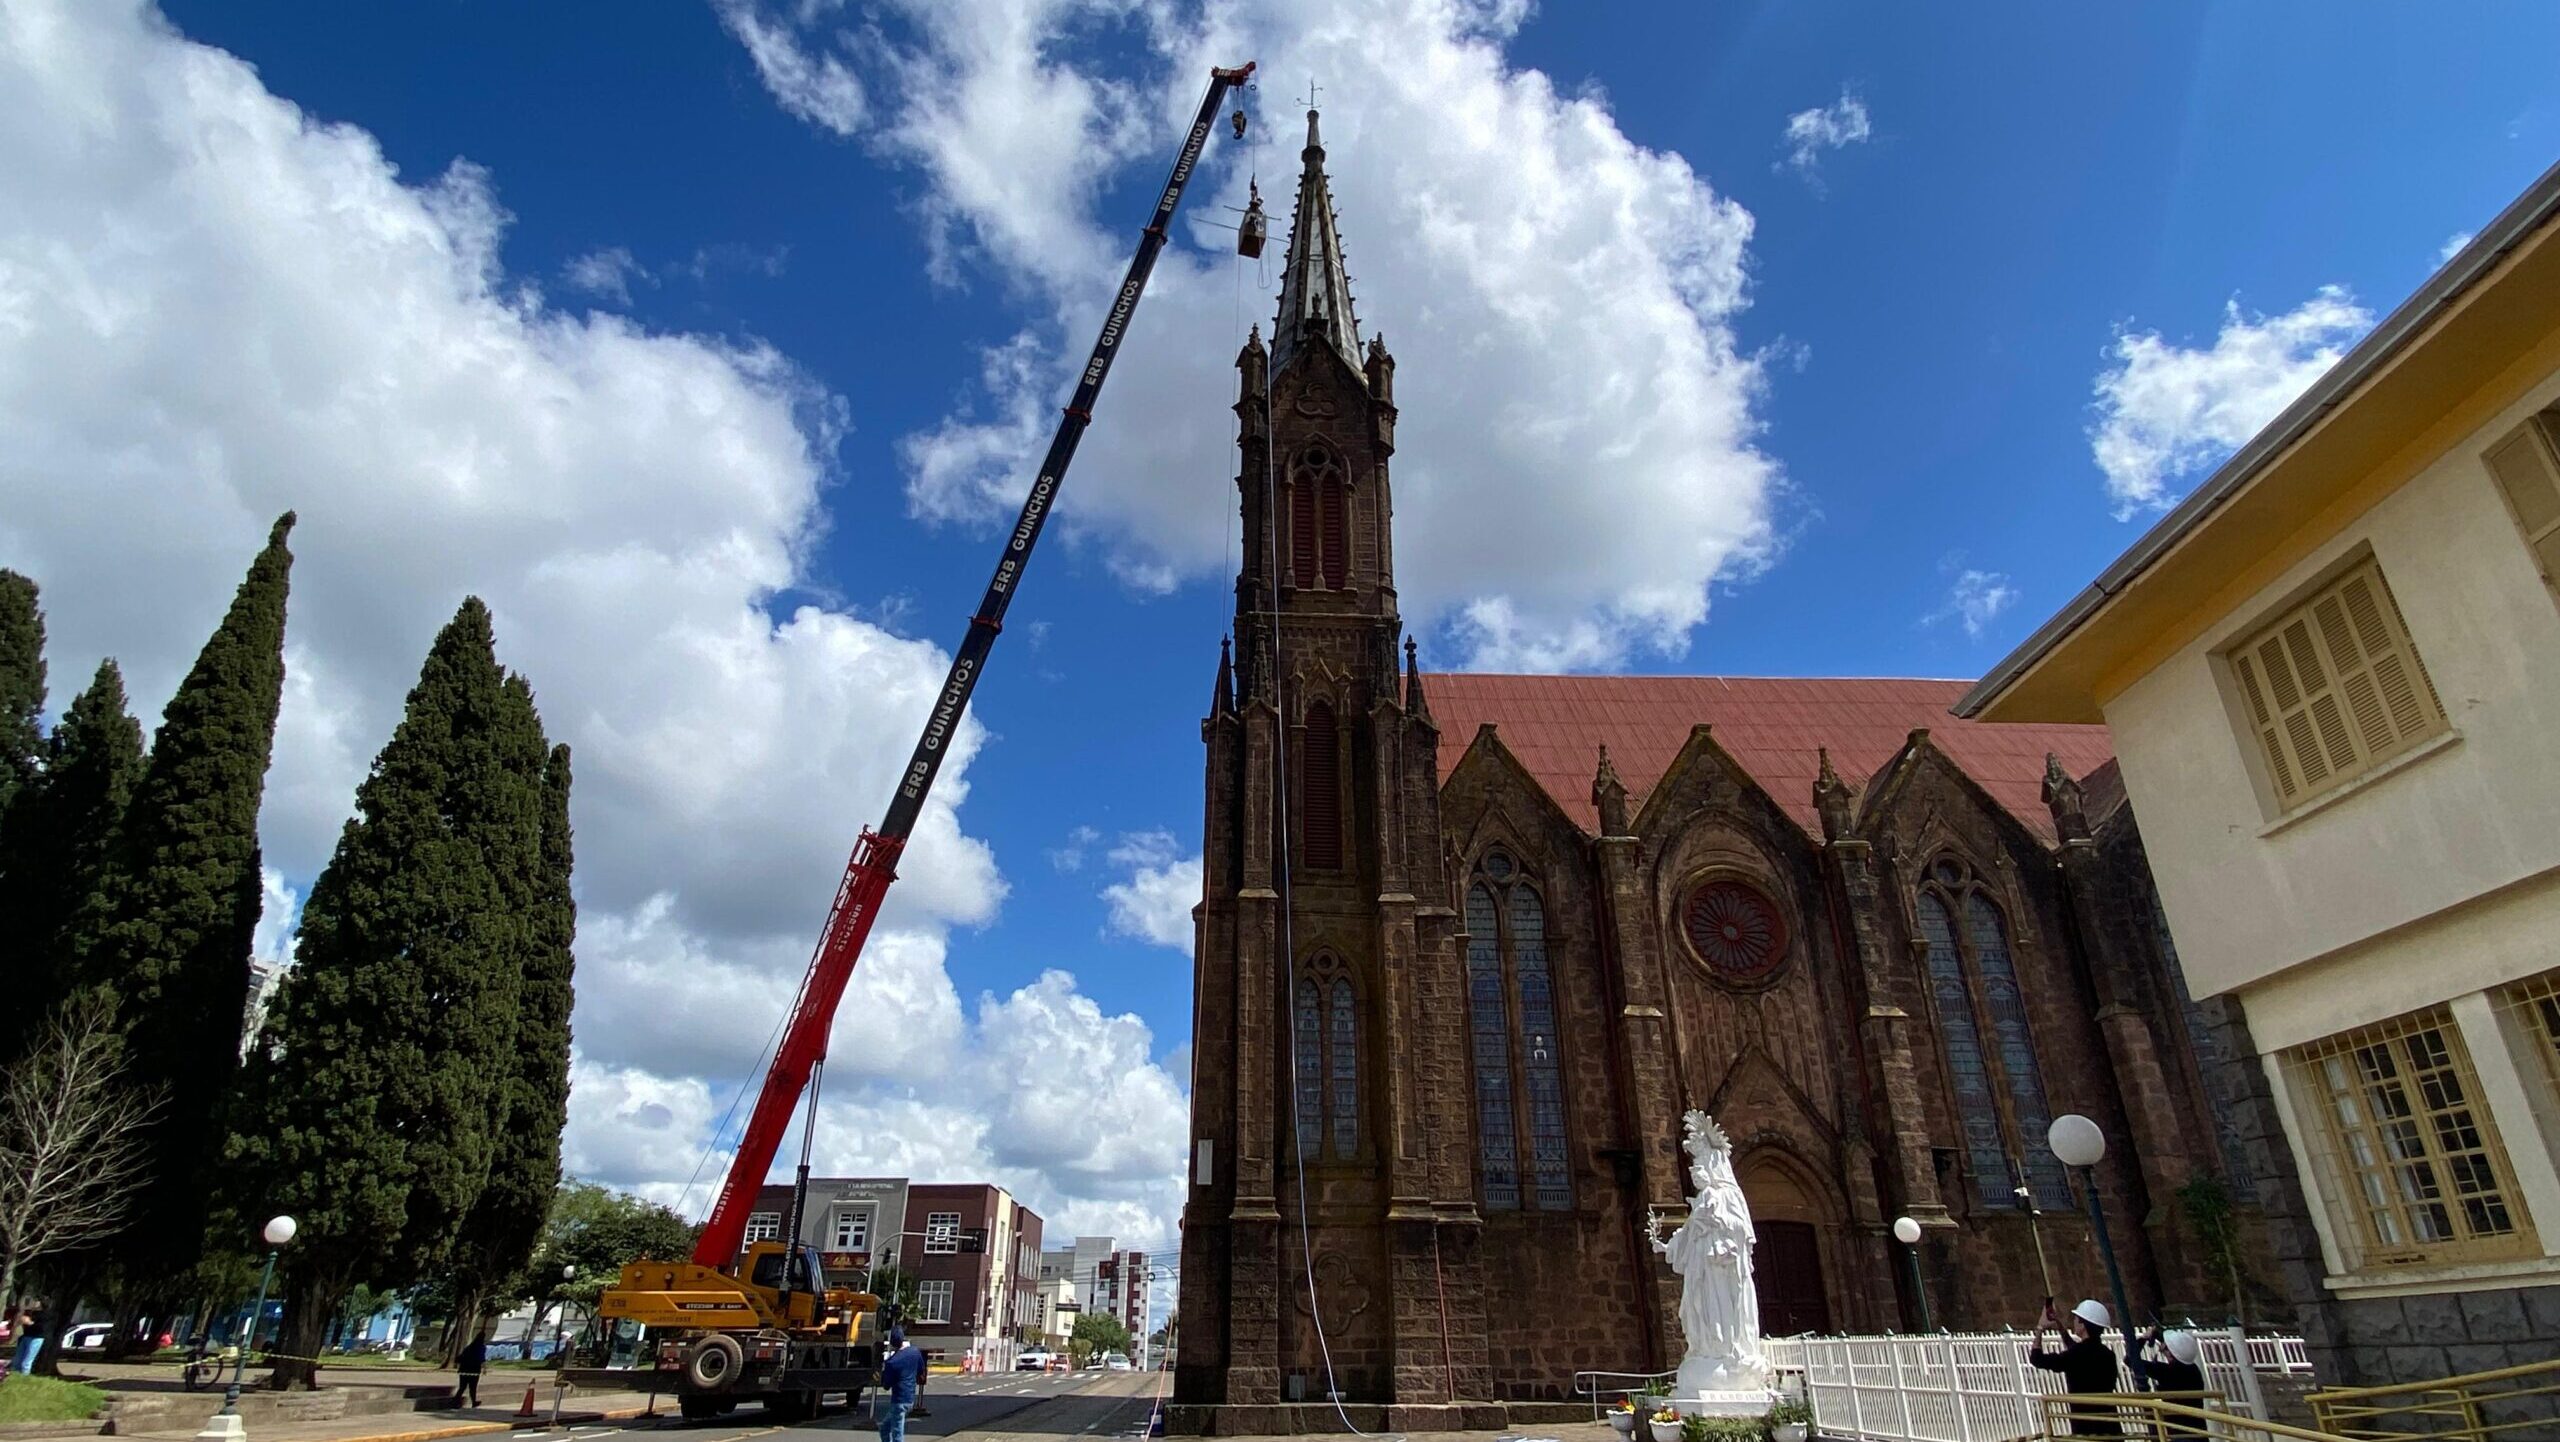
column 169, row 940
column 56, row 849
column 506, row 1221
column 21, row 684
column 379, row 1087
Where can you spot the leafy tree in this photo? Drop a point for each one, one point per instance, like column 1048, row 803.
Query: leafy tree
column 2207, row 1204
column 506, row 1219
column 1096, row 1333
column 169, row 935
column 71, row 1132
column 377, row 1092
column 898, row 1291
column 21, row 683
column 53, row 853
column 595, row 1230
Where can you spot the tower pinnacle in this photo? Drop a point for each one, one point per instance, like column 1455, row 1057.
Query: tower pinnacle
column 1315, row 289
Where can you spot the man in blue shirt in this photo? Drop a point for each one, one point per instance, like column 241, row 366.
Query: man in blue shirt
column 901, row 1377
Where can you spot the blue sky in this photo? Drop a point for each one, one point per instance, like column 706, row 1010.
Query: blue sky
column 1876, row 369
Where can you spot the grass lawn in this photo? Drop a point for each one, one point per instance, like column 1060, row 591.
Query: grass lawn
column 48, row 1399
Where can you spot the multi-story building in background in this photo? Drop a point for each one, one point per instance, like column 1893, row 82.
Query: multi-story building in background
column 1058, row 1309
column 854, row 1222
column 1121, row 1290
column 975, row 1253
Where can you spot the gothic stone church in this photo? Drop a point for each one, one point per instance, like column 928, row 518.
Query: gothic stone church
column 1470, row 945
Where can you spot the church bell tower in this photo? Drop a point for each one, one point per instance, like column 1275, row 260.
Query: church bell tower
column 1330, row 1232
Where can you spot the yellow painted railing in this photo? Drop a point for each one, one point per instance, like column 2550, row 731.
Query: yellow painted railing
column 2505, row 1405
column 2163, row 1417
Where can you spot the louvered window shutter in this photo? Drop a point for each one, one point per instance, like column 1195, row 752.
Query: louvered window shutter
column 2527, row 465
column 1302, row 528
column 1323, row 781
column 1337, row 533
column 2334, row 687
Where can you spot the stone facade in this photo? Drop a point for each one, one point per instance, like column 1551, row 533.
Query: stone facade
column 1448, row 1013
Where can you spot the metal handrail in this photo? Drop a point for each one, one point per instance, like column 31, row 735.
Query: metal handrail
column 2461, row 1401
column 1649, row 1384
column 2152, row 1415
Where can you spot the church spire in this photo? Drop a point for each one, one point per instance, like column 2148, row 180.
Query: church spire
column 1315, row 290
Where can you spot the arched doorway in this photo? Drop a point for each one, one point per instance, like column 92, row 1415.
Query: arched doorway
column 1787, row 1216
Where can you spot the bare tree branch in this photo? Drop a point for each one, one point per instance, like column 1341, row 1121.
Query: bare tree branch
column 71, row 1151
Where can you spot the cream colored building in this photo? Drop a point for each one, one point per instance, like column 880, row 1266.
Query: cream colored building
column 2333, row 678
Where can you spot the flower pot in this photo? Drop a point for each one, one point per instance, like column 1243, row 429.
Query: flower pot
column 1664, row 1431
column 1790, row 1432
column 1624, row 1422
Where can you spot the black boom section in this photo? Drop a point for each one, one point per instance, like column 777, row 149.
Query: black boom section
column 970, row 662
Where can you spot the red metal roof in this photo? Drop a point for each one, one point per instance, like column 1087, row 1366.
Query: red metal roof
column 1773, row 726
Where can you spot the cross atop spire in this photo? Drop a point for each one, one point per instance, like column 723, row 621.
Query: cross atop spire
column 1315, row 290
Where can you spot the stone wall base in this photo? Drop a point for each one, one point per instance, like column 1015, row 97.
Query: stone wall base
column 1289, row 1419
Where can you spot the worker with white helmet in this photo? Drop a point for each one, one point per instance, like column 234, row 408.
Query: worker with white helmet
column 2169, row 1360
column 2086, row 1362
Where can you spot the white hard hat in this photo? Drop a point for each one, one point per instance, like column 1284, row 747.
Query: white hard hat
column 2183, row 1346
column 2093, row 1312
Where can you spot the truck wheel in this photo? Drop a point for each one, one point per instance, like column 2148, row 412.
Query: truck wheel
column 714, row 1363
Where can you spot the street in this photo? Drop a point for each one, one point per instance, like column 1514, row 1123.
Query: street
column 1101, row 1405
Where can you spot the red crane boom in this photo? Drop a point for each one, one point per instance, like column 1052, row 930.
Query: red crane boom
column 875, row 856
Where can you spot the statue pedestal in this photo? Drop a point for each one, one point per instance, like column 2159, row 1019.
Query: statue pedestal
column 1724, row 1404
column 1720, row 1387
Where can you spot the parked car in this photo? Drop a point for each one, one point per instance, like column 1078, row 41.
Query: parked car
column 1032, row 1359
column 86, row 1335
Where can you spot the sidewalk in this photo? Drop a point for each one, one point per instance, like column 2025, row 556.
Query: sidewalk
column 353, row 1404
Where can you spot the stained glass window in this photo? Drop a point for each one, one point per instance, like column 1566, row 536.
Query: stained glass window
column 1489, row 1028
column 1344, row 1063
column 1307, row 1066
column 1539, row 1069
column 1967, row 1075
column 2009, row 1029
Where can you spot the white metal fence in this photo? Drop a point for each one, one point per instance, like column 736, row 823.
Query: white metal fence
column 1978, row 1387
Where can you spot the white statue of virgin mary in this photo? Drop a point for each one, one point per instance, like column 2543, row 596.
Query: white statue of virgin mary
column 1719, row 1310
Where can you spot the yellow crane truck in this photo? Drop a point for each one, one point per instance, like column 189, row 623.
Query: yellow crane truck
column 752, row 1336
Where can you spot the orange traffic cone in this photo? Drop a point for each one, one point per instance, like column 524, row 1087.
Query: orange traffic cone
column 527, row 1409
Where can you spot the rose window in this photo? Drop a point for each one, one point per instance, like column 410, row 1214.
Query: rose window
column 1735, row 929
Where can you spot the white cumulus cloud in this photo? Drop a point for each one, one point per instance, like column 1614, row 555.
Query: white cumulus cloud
column 2168, row 412
column 1153, row 902
column 215, row 307
column 1809, row 133
column 606, row 274
column 1974, row 600
column 1578, row 456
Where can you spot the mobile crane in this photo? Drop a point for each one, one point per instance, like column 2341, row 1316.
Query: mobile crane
column 766, row 1326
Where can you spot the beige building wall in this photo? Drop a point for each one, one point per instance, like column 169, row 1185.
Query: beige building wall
column 2433, row 880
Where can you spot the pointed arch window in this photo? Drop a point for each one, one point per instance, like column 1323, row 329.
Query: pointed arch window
column 1973, row 987
column 1320, row 781
column 1518, row 1055
column 1325, row 1031
column 1319, row 521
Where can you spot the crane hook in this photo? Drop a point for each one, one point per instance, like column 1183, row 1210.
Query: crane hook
column 1238, row 121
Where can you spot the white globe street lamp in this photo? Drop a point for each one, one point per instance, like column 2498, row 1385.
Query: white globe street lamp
column 225, row 1424
column 2077, row 1142
column 1907, row 1232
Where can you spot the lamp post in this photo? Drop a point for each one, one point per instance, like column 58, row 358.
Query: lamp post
column 226, row 1423
column 2077, row 1142
column 1907, row 1232
column 560, row 1333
